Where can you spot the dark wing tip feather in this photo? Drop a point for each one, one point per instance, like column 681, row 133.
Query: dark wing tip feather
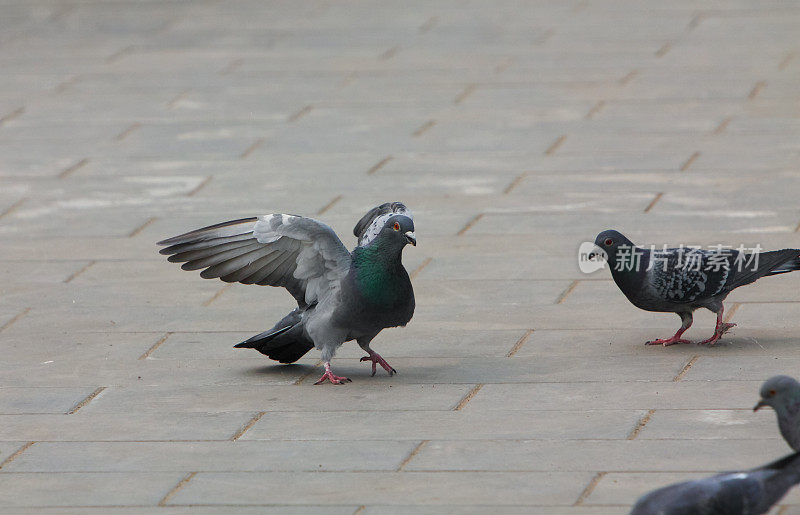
column 182, row 238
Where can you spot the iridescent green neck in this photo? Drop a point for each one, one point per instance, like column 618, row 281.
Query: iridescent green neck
column 376, row 272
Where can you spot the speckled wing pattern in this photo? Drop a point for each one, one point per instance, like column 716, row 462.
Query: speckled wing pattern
column 684, row 275
column 301, row 254
column 371, row 223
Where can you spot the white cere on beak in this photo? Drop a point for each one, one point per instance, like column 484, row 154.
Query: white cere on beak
column 412, row 238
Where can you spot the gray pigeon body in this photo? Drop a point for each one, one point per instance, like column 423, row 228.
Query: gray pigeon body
column 681, row 280
column 734, row 493
column 782, row 393
column 341, row 296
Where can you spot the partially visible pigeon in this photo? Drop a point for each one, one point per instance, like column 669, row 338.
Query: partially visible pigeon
column 782, row 393
column 341, row 296
column 733, row 493
column 680, row 280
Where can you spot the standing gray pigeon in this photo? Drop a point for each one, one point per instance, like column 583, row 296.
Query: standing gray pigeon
column 783, row 394
column 341, row 296
column 680, row 280
column 734, row 493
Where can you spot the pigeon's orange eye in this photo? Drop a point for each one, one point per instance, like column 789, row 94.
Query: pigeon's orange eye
column 609, row 242
column 772, row 393
column 396, row 226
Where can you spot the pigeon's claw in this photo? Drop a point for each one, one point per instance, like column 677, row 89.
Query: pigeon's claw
column 721, row 329
column 334, row 379
column 667, row 342
column 376, row 359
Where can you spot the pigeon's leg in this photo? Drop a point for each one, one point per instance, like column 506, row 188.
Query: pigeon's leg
column 374, row 357
column 686, row 323
column 330, row 377
column 719, row 330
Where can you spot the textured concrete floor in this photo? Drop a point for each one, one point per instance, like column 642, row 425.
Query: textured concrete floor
column 514, row 130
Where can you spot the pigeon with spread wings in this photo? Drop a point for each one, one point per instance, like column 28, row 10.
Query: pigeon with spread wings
column 341, row 295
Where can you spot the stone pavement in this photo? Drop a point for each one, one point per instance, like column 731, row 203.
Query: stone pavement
column 515, row 130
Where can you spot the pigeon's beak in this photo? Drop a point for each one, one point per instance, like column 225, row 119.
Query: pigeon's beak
column 760, row 405
column 411, row 237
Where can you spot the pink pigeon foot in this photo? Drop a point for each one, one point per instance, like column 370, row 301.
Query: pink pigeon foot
column 721, row 329
column 667, row 342
column 378, row 360
column 332, row 378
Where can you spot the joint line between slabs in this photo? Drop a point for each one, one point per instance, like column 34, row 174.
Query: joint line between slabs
column 423, row 128
column 756, row 89
column 504, row 64
column 250, row 423
column 468, row 397
column 63, row 86
column 411, row 455
column 199, row 187
column 149, row 352
column 380, row 164
column 217, row 295
column 176, row 488
column 329, row 205
column 467, row 91
column 299, row 114
column 66, row 172
column 16, row 113
column 517, row 346
column 595, row 109
column 686, row 164
column 514, row 183
column 16, row 454
column 389, row 53
column 731, row 312
column 307, row 374
column 589, row 488
column 180, row 96
column 722, row 126
column 555, row 145
column 685, row 370
column 14, row 319
column 252, row 148
column 119, row 53
column 653, row 202
column 419, row 269
column 469, row 224
column 89, row 398
column 128, row 131
column 640, row 425
column 86, row 267
column 13, row 207
column 565, row 293
column 428, row 25
column 661, row 52
column 629, row 77
column 786, row 60
column 142, row 227
column 231, row 67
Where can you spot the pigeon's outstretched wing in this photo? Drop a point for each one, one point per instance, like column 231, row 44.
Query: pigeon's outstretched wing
column 685, row 275
column 371, row 223
column 749, row 492
column 301, row 254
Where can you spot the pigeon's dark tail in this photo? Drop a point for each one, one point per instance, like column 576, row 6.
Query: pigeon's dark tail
column 286, row 344
column 788, row 266
column 766, row 263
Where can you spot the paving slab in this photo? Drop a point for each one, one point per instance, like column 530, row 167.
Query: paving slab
column 513, row 130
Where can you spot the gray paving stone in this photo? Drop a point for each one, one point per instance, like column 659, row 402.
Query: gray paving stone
column 440, row 425
column 211, row 456
column 388, row 487
column 76, row 489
